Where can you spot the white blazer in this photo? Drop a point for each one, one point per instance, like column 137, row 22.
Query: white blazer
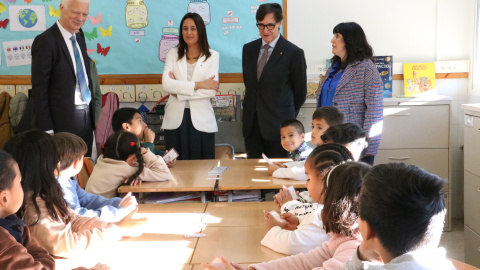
column 203, row 118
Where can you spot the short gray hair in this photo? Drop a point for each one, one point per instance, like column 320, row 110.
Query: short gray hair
column 66, row 3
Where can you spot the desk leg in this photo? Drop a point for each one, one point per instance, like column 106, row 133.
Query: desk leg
column 230, row 196
column 203, row 197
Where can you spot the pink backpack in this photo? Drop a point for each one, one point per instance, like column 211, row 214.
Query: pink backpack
column 104, row 129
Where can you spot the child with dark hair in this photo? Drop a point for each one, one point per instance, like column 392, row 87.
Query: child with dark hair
column 125, row 161
column 130, row 119
column 292, row 138
column 304, row 232
column 71, row 149
column 402, row 211
column 18, row 250
column 338, row 189
column 350, row 135
column 322, row 119
column 46, row 213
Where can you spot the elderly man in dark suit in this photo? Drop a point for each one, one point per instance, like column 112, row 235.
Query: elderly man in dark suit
column 61, row 83
column 274, row 73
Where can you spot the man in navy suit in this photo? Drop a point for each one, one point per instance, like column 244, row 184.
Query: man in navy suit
column 61, row 84
column 275, row 84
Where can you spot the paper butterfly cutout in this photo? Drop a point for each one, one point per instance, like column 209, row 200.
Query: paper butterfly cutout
column 2, row 8
column 54, row 12
column 46, row 0
column 10, row 1
column 97, row 20
column 92, row 34
column 107, row 32
column 102, row 51
column 4, row 23
column 89, row 51
column 27, row 1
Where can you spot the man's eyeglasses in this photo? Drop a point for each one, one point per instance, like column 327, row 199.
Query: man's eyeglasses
column 269, row 26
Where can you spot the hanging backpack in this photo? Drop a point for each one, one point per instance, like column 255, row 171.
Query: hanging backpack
column 110, row 104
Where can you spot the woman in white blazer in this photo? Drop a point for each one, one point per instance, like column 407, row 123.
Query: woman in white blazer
column 190, row 77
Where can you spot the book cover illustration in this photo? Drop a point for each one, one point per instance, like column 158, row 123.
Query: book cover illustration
column 384, row 66
column 419, row 79
column 313, row 81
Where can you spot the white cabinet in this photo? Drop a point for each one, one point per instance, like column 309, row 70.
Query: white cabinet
column 472, row 183
column 418, row 133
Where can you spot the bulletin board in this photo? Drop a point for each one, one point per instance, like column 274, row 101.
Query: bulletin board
column 130, row 37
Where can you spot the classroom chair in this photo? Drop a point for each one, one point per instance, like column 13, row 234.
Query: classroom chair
column 224, row 151
column 85, row 172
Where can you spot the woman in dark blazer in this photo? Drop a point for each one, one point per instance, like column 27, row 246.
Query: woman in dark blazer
column 353, row 84
column 190, row 77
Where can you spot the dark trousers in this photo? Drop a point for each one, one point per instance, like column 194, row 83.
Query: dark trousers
column 255, row 144
column 189, row 142
column 83, row 126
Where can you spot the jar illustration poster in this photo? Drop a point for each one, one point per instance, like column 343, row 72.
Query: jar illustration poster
column 136, row 14
column 202, row 8
column 134, row 36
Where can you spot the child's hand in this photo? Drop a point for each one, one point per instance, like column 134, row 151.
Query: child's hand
column 100, row 266
column 170, row 74
column 134, row 182
column 282, row 197
column 270, row 221
column 128, row 201
column 128, row 223
column 144, row 150
column 280, row 165
column 148, row 135
column 367, row 254
column 222, row 263
column 272, row 168
column 292, row 221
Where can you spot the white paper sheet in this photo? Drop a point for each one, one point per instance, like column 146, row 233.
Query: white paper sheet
column 18, row 52
column 27, row 18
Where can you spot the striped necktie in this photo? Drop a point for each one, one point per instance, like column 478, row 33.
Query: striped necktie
column 263, row 60
column 82, row 80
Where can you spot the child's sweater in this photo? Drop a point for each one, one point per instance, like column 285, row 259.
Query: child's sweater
column 68, row 240
column 330, row 255
column 29, row 255
column 421, row 260
column 308, row 235
column 295, row 170
column 108, row 174
column 91, row 205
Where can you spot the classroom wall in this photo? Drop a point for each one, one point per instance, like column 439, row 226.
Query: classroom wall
column 411, row 31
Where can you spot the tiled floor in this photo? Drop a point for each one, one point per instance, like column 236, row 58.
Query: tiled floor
column 453, row 241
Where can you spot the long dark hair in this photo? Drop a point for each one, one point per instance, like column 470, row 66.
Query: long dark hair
column 202, row 36
column 356, row 43
column 37, row 158
column 120, row 145
column 340, row 211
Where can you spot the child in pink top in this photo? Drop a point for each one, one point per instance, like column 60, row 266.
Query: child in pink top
column 338, row 191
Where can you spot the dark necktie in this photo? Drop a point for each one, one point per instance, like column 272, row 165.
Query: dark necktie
column 82, row 82
column 263, row 60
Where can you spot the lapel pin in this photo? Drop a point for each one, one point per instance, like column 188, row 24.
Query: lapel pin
column 281, row 53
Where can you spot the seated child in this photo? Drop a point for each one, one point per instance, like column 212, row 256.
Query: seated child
column 339, row 191
column 71, row 149
column 129, row 119
column 18, row 250
column 46, row 213
column 292, row 136
column 403, row 226
column 351, row 136
column 322, row 119
column 305, row 232
column 123, row 161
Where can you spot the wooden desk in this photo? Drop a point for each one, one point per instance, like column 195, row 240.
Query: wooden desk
column 187, row 175
column 246, row 174
column 237, row 214
column 162, row 246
